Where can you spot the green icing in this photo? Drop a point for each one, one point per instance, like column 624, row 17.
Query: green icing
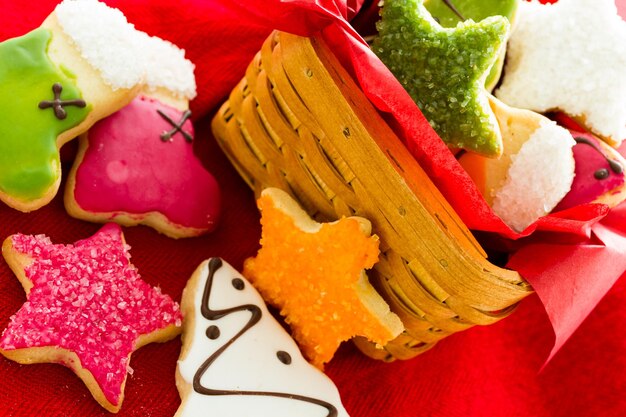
column 470, row 9
column 475, row 10
column 29, row 156
column 444, row 70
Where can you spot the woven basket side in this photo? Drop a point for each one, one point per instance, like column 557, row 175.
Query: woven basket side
column 298, row 122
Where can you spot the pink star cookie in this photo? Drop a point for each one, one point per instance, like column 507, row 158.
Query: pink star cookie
column 86, row 308
column 138, row 167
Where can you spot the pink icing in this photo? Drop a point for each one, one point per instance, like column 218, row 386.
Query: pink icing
column 89, row 299
column 127, row 168
column 586, row 188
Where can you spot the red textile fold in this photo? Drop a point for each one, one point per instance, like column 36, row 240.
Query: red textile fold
column 571, row 288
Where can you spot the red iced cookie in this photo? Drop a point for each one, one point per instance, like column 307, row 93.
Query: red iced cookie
column 138, row 167
column 599, row 174
column 86, row 308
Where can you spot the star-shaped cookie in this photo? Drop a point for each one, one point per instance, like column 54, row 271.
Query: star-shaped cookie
column 444, row 70
column 449, row 13
column 315, row 274
column 570, row 56
column 86, row 307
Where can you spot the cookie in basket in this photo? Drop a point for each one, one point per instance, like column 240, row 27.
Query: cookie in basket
column 86, row 308
column 544, row 168
column 448, row 14
column 314, row 273
column 570, row 56
column 138, row 166
column 536, row 169
column 444, row 70
column 237, row 360
column 56, row 81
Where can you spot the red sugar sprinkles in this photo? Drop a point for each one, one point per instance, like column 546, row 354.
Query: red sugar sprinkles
column 89, row 299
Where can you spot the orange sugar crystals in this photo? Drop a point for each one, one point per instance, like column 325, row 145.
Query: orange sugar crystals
column 314, row 273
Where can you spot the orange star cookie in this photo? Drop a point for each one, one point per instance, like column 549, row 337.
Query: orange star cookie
column 315, row 274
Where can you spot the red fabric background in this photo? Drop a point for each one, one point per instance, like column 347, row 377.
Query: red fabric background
column 492, row 371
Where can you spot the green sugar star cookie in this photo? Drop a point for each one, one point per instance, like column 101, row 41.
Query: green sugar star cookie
column 444, row 70
column 448, row 13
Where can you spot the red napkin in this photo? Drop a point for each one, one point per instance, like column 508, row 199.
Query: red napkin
column 570, row 288
column 481, row 372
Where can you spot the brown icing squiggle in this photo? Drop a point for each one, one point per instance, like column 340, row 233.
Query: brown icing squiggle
column 176, row 127
column 214, row 265
column 58, row 105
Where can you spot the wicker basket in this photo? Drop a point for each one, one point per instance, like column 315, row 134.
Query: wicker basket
column 297, row 121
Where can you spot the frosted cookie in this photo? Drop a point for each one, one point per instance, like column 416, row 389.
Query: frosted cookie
column 56, row 81
column 314, row 273
column 449, row 13
column 444, row 70
column 600, row 174
column 86, row 308
column 237, row 360
column 570, row 56
column 534, row 173
column 138, row 165
column 169, row 75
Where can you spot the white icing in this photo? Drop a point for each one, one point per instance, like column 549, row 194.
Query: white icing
column 123, row 55
column 570, row 55
column 167, row 67
column 539, row 176
column 250, row 363
column 105, row 39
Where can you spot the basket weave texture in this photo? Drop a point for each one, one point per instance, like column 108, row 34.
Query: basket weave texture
column 297, row 121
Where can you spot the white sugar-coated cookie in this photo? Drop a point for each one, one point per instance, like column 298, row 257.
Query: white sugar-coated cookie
column 570, row 56
column 102, row 35
column 535, row 171
column 94, row 43
column 167, row 69
column 539, row 176
column 237, row 360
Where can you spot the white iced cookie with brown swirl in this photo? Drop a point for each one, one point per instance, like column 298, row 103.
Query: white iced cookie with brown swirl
column 237, row 360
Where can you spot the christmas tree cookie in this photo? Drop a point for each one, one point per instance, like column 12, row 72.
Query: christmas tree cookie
column 570, row 56
column 315, row 274
column 237, row 360
column 55, row 82
column 138, row 166
column 86, row 308
column 444, row 70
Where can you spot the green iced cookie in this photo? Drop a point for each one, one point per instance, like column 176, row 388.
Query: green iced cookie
column 444, row 70
column 29, row 155
column 450, row 12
